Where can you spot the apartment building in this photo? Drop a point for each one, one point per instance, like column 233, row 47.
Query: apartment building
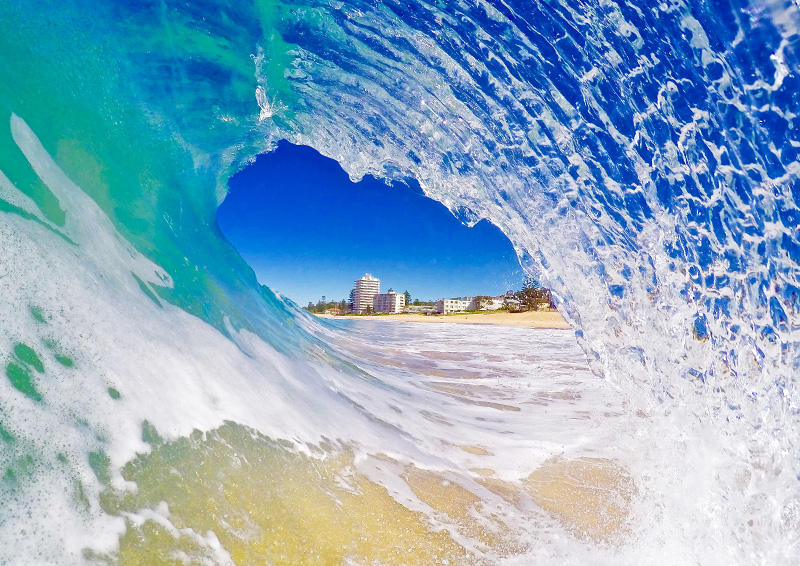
column 444, row 306
column 364, row 292
column 390, row 302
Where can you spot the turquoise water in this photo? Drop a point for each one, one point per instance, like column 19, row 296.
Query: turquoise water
column 642, row 158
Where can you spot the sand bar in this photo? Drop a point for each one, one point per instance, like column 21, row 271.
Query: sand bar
column 531, row 319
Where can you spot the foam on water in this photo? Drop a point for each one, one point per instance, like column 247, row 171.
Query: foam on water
column 155, row 370
column 642, row 157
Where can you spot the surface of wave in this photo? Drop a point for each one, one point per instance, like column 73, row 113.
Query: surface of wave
column 642, row 157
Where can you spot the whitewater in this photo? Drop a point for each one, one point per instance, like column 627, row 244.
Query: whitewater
column 159, row 406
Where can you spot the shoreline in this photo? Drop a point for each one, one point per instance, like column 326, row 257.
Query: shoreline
column 550, row 320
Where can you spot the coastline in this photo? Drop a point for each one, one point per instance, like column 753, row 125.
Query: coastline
column 551, row 320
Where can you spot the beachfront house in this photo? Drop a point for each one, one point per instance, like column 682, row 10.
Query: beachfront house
column 495, row 303
column 445, row 306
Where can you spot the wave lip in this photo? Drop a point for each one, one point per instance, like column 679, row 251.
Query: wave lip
column 642, row 159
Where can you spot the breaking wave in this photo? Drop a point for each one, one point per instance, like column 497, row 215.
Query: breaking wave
column 642, row 158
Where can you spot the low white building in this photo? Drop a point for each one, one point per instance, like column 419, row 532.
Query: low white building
column 420, row 309
column 390, row 302
column 444, row 306
column 495, row 303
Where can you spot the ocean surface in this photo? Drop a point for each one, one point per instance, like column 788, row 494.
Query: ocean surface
column 159, row 406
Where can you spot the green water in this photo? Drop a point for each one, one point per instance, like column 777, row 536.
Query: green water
column 149, row 115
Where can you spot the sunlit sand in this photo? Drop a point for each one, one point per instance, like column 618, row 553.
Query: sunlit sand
column 235, row 496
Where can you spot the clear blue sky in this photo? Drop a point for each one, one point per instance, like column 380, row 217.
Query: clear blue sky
column 308, row 231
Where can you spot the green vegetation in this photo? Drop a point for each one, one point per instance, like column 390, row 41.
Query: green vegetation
column 532, row 297
column 343, row 306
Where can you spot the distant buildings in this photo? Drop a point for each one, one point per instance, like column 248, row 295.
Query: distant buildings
column 390, row 302
column 420, row 309
column 366, row 298
column 364, row 292
column 495, row 303
column 444, row 306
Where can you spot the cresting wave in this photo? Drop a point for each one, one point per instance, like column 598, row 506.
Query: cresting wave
column 642, row 157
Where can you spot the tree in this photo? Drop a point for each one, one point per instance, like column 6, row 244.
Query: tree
column 482, row 301
column 531, row 282
column 369, row 309
column 531, row 298
column 408, row 297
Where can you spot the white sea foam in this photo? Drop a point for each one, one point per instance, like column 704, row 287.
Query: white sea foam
column 529, row 395
column 657, row 202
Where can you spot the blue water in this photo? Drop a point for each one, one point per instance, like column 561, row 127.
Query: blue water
column 641, row 157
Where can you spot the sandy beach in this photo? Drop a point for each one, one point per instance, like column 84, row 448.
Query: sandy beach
column 531, row 319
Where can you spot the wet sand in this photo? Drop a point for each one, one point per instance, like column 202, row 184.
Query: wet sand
column 531, row 319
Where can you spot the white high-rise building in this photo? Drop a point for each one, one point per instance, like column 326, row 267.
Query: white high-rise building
column 389, row 302
column 364, row 291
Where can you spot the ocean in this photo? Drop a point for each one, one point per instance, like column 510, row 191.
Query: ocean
column 160, row 406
